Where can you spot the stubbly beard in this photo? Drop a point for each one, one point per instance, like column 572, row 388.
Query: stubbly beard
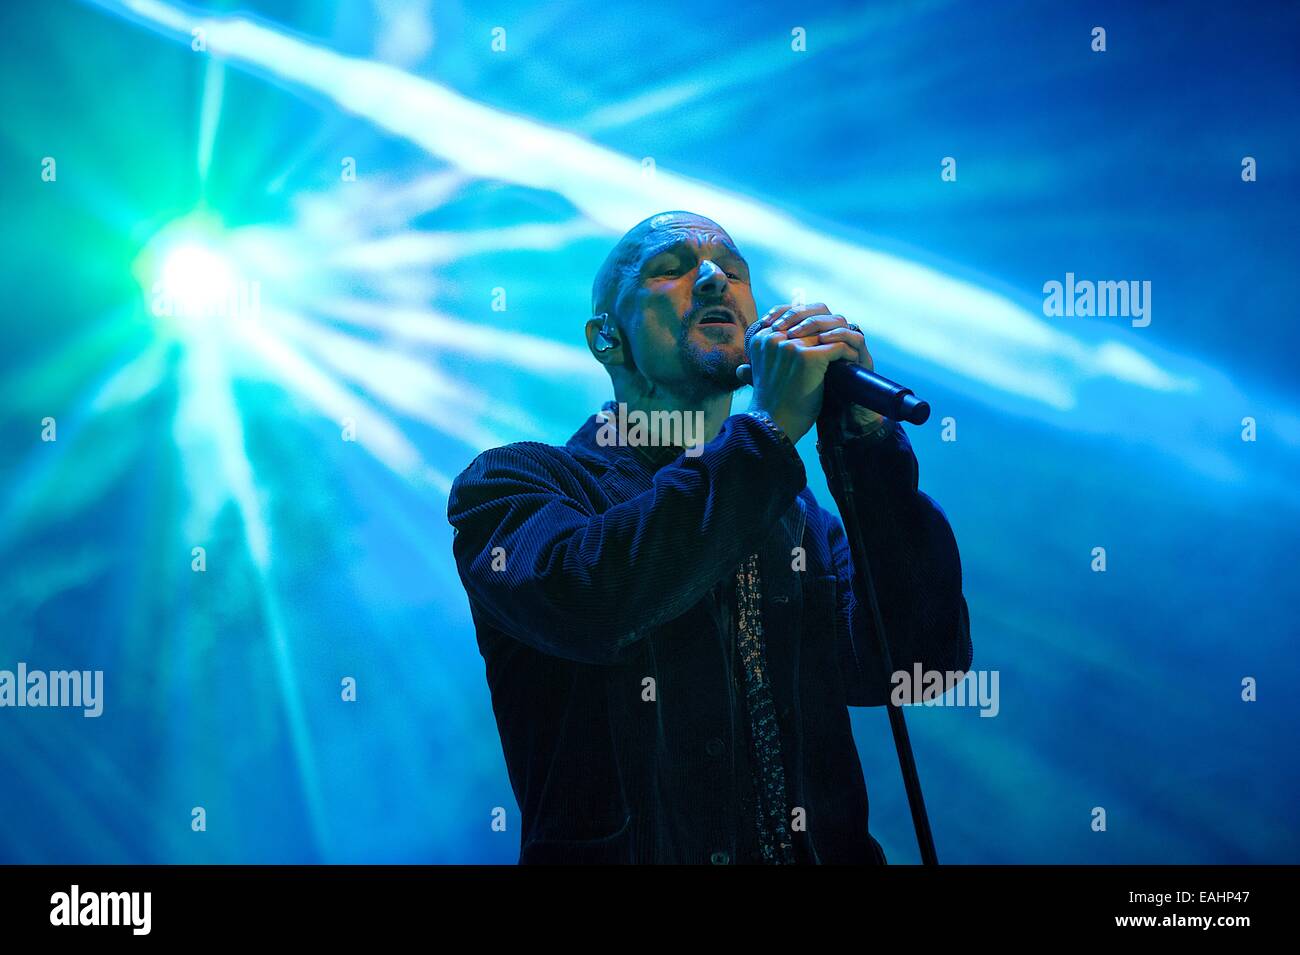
column 710, row 371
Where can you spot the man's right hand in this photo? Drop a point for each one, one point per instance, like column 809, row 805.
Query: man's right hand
column 788, row 373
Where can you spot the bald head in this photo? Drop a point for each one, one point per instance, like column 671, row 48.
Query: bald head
column 677, row 293
column 637, row 246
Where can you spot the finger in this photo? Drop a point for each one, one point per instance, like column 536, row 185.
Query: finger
column 788, row 342
column 795, row 313
column 765, row 335
column 853, row 337
column 815, row 324
column 846, row 335
column 832, row 352
column 772, row 313
column 746, row 374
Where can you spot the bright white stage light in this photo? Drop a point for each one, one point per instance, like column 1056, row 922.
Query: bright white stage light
column 198, row 281
column 190, row 282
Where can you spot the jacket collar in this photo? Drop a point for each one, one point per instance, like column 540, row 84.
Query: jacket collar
column 641, row 463
column 642, row 457
column 645, row 461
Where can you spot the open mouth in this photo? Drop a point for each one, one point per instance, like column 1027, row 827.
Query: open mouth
column 717, row 315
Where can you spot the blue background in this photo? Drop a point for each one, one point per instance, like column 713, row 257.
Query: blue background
column 480, row 170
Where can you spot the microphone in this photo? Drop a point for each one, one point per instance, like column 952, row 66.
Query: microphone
column 853, row 383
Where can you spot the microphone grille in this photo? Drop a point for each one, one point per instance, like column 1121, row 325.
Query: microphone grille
column 750, row 332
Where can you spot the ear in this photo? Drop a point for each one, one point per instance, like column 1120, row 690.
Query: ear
column 608, row 348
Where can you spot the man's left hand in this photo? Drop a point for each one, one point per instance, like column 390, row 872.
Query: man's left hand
column 817, row 321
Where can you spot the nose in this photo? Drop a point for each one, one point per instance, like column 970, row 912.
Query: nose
column 712, row 280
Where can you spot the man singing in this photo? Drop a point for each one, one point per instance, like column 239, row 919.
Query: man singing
column 670, row 633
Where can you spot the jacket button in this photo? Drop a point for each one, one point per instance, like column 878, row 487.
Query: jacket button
column 714, row 747
column 720, row 858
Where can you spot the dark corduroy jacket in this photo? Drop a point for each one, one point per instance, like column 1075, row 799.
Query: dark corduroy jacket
column 597, row 582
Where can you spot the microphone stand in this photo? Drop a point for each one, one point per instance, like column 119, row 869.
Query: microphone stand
column 832, row 432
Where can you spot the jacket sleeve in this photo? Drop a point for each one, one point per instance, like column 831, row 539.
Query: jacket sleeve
column 915, row 566
column 539, row 560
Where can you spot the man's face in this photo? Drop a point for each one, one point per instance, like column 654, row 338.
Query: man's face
column 688, row 303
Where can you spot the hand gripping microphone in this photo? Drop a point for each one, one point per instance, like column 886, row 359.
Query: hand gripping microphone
column 850, row 382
